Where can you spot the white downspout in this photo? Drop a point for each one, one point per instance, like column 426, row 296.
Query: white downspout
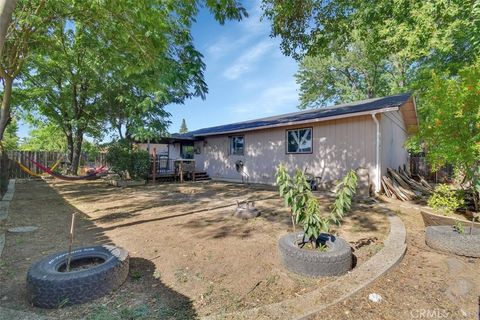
column 377, row 160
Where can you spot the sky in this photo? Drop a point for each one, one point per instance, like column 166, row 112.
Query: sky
column 246, row 73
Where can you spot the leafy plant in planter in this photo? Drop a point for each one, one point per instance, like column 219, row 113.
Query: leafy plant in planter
column 331, row 255
column 127, row 161
column 305, row 208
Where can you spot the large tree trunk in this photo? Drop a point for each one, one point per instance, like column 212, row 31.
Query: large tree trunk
column 6, row 10
column 69, row 137
column 77, row 151
column 5, row 111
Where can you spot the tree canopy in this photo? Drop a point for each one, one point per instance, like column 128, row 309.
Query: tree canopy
column 114, row 65
column 183, row 127
column 357, row 49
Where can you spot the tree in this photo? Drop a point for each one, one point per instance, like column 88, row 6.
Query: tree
column 10, row 139
column 29, row 23
column 183, row 127
column 99, row 65
column 45, row 137
column 6, row 11
column 450, row 130
column 450, row 108
column 355, row 71
column 387, row 47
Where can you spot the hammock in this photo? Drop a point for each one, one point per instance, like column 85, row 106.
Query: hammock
column 27, row 171
column 33, row 174
column 92, row 175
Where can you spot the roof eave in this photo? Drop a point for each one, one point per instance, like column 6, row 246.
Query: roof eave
column 293, row 123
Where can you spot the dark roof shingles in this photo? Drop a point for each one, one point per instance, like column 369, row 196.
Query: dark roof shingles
column 342, row 109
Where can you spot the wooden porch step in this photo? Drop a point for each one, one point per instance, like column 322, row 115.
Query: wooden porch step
column 202, row 175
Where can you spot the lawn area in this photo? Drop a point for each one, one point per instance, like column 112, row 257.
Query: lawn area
column 189, row 255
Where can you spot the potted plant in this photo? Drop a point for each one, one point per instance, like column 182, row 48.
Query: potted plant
column 132, row 165
column 314, row 251
column 456, row 239
column 450, row 234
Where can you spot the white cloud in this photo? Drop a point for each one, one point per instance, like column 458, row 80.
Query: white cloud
column 254, row 24
column 247, row 60
column 273, row 100
column 250, row 28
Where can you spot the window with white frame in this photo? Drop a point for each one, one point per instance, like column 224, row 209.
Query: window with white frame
column 237, row 144
column 299, row 140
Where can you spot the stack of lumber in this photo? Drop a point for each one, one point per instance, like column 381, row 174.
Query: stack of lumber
column 399, row 184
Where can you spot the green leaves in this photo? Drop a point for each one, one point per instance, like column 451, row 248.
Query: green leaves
column 305, row 208
column 124, row 159
column 344, row 195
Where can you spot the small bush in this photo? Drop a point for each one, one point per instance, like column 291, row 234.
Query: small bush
column 124, row 159
column 445, row 199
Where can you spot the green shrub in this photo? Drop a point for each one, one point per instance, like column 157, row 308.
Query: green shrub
column 445, row 199
column 305, row 208
column 123, row 159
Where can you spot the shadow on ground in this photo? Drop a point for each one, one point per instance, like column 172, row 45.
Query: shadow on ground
column 36, row 203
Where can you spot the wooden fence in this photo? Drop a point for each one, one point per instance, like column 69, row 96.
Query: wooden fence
column 419, row 166
column 10, row 168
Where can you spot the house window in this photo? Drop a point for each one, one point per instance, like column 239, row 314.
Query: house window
column 299, row 140
column 236, row 145
column 186, row 151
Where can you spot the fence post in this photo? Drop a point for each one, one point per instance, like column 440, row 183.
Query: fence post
column 154, row 173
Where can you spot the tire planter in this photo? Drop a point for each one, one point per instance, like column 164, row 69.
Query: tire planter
column 445, row 238
column 49, row 287
column 336, row 261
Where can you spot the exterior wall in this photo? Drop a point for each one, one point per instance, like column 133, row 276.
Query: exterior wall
column 393, row 135
column 172, row 150
column 338, row 145
column 161, row 148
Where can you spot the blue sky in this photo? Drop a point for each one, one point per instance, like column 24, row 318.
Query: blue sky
column 247, row 75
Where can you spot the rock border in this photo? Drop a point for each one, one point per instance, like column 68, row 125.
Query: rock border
column 309, row 304
column 8, row 314
column 127, row 183
column 4, row 208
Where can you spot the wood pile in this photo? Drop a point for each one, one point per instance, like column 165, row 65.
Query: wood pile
column 399, row 184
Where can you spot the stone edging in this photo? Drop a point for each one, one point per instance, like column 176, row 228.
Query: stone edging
column 309, row 304
column 7, row 197
column 8, row 314
column 4, row 207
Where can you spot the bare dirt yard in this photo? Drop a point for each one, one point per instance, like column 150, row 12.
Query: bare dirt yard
column 427, row 284
column 189, row 256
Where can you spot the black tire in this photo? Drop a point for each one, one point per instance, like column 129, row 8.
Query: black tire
column 336, row 261
column 445, row 238
column 47, row 287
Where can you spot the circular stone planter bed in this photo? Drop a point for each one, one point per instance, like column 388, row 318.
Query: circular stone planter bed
column 94, row 272
column 335, row 261
column 447, row 239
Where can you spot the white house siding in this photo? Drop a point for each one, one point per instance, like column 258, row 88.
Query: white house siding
column 160, row 148
column 394, row 134
column 338, row 145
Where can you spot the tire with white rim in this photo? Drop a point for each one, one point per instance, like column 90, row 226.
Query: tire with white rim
column 49, row 286
column 335, row 261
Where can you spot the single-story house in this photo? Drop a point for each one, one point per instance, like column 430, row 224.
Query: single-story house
column 324, row 142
